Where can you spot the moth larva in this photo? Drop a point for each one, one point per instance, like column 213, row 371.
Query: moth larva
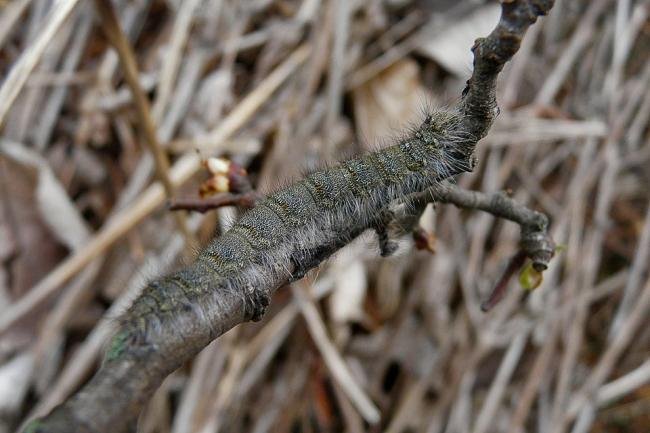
column 286, row 234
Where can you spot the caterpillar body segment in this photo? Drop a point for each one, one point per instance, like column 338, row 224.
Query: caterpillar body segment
column 281, row 238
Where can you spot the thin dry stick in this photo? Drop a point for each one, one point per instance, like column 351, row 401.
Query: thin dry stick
column 335, row 363
column 276, row 330
column 52, row 109
column 639, row 265
column 535, row 377
column 621, row 47
column 118, row 39
column 512, row 131
column 209, row 141
column 589, row 270
column 72, row 300
column 414, row 396
column 21, row 122
column 624, row 385
column 208, row 364
column 578, row 42
column 153, row 196
column 11, row 12
column 203, row 205
column 337, row 62
column 611, row 391
column 224, row 393
column 486, row 416
column 260, row 350
column 19, row 73
column 607, row 362
column 398, row 51
column 172, row 60
column 620, row 113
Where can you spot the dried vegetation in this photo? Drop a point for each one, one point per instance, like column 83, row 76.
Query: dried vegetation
column 364, row 343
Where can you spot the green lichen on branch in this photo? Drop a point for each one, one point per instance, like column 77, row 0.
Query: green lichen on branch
column 35, row 426
column 117, row 346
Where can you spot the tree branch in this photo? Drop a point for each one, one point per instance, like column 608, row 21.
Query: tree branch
column 131, row 371
column 202, row 205
column 535, row 242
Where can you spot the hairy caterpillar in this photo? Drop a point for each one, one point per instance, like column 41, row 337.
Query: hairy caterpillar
column 285, row 235
column 279, row 240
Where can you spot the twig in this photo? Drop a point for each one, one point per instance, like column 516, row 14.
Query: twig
column 591, row 263
column 118, row 39
column 22, row 120
column 536, row 243
column 633, row 285
column 506, row 369
column 398, row 51
column 29, row 59
column 589, row 391
column 535, row 377
column 268, row 341
column 624, row 385
column 490, row 55
column 11, row 12
column 72, row 57
column 500, row 288
column 578, row 42
column 337, row 367
column 245, row 200
column 337, row 61
column 173, row 53
column 516, row 73
column 212, row 139
column 230, row 180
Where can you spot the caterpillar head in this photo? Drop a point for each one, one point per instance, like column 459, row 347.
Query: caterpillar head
column 428, row 133
column 436, row 126
column 439, row 132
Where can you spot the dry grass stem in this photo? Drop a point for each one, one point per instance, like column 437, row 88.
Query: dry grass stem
column 110, row 109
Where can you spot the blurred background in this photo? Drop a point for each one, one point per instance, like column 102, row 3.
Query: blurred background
column 363, row 343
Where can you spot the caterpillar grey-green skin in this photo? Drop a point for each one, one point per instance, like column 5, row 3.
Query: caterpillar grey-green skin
column 281, row 238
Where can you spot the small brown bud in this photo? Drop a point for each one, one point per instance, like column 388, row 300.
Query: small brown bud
column 424, row 240
column 226, row 176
